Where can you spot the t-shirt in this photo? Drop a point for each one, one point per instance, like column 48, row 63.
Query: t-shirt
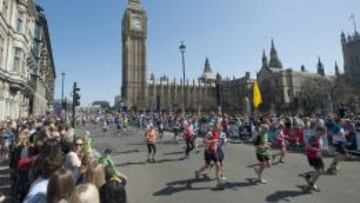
column 222, row 139
column 189, row 131
column 281, row 138
column 211, row 142
column 73, row 163
column 106, row 161
column 38, row 191
column 338, row 133
column 261, row 140
column 151, row 136
column 315, row 146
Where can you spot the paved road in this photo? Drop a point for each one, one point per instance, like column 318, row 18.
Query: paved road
column 171, row 180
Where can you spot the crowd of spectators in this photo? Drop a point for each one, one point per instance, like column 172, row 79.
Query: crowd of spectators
column 50, row 163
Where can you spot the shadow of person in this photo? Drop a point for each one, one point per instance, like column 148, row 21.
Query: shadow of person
column 285, row 195
column 180, row 186
column 167, row 160
column 173, row 153
column 131, row 163
column 126, row 151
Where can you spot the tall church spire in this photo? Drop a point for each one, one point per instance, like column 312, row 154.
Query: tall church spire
column 337, row 71
column 320, row 68
column 265, row 63
column 207, row 67
column 274, row 59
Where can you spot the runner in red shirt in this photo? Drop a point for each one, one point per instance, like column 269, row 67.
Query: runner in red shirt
column 314, row 156
column 210, row 154
column 281, row 143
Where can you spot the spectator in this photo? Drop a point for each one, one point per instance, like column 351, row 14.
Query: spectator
column 113, row 191
column 86, row 193
column 60, row 187
column 106, row 161
column 95, row 175
column 87, row 162
column 38, row 189
column 51, row 148
column 73, row 160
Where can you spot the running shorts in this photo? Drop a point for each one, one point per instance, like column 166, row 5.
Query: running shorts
column 211, row 156
column 263, row 157
column 316, row 163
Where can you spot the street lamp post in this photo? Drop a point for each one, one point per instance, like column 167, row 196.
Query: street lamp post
column 182, row 48
column 63, row 109
column 62, row 87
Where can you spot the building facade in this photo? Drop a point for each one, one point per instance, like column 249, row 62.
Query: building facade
column 283, row 89
column 289, row 90
column 139, row 92
column 351, row 54
column 27, row 72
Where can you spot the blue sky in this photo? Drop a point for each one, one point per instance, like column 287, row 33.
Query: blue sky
column 86, row 37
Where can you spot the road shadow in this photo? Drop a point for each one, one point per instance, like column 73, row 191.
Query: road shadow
column 126, row 152
column 187, row 184
column 169, row 142
column 166, row 160
column 249, row 182
column 131, row 163
column 181, row 186
column 257, row 164
column 136, row 144
column 173, row 153
column 286, row 195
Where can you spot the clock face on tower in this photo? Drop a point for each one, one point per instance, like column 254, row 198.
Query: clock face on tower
column 136, row 24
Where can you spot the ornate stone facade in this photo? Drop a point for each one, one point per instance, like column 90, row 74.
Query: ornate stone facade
column 27, row 71
column 140, row 93
column 288, row 89
column 282, row 89
column 351, row 53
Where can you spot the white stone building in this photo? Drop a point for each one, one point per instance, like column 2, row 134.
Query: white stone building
column 27, row 69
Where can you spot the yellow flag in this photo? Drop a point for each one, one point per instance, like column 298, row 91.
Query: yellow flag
column 257, row 100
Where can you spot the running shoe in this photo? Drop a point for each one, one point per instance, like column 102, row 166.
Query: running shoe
column 223, row 178
column 262, row 181
column 315, row 188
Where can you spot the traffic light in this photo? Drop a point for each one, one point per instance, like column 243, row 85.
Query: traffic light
column 76, row 95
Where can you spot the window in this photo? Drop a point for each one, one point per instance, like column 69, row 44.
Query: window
column 2, row 44
column 19, row 23
column 5, row 8
column 17, row 60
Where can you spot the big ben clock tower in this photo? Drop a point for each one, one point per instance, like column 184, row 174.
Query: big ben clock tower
column 134, row 85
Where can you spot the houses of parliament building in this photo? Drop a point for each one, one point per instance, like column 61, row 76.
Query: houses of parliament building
column 281, row 86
